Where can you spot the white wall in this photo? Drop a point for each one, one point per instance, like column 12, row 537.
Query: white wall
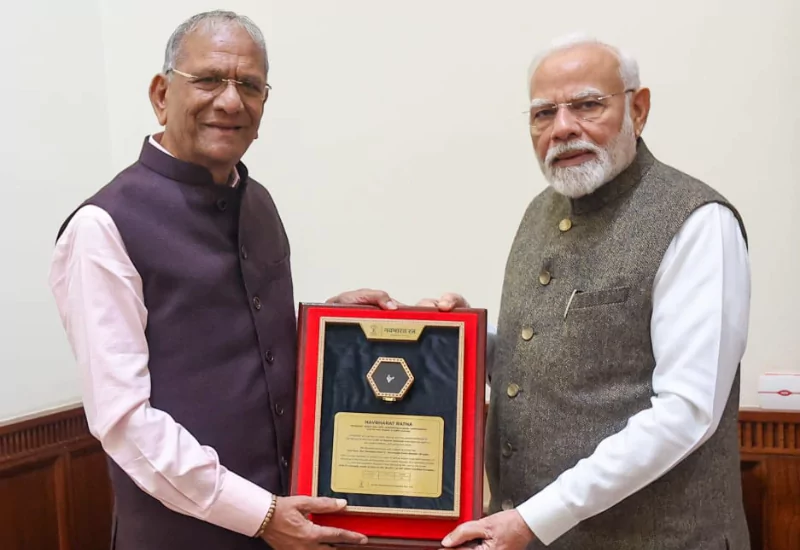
column 394, row 142
column 53, row 151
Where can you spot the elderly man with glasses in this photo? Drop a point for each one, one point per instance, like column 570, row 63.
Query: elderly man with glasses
column 623, row 321
column 174, row 286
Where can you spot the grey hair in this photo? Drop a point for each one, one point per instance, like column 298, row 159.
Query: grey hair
column 628, row 67
column 210, row 18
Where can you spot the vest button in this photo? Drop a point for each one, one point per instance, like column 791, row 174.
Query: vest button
column 268, row 357
column 244, row 253
column 565, row 225
column 544, row 277
column 222, row 205
column 278, row 409
column 256, row 302
column 527, row 333
column 284, row 462
column 508, row 450
column 512, row 390
column 507, row 504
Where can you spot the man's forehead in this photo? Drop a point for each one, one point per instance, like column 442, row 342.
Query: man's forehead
column 220, row 41
column 567, row 72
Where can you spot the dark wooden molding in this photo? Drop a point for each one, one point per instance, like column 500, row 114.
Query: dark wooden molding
column 37, row 435
column 769, row 432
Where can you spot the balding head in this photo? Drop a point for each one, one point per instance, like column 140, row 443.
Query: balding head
column 585, row 144
column 207, row 21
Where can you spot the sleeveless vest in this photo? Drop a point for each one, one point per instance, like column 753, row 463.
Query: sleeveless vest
column 221, row 331
column 576, row 380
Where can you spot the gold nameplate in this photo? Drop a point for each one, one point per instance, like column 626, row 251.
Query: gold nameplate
column 386, row 454
column 407, row 331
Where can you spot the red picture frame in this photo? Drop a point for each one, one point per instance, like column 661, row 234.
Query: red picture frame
column 388, row 531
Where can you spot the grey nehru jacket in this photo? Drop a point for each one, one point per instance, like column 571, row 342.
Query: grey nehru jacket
column 560, row 385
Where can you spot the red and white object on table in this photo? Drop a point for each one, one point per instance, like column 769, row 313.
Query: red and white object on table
column 779, row 391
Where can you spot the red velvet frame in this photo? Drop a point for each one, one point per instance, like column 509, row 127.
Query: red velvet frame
column 387, row 531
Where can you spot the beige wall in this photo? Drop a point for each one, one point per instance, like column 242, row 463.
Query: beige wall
column 407, row 116
column 54, row 149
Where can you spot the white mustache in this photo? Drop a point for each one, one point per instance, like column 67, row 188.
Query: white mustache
column 569, row 147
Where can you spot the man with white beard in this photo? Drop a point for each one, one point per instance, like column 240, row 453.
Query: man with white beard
column 624, row 317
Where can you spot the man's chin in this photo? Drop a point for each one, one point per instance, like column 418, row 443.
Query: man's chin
column 224, row 153
column 572, row 190
column 576, row 188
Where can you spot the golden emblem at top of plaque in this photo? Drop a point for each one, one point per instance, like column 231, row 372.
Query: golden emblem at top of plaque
column 408, row 331
column 390, row 378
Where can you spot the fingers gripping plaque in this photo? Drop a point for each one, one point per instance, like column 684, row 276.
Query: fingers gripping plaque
column 390, row 378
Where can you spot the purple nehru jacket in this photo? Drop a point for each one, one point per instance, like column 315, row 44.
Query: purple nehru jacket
column 221, row 332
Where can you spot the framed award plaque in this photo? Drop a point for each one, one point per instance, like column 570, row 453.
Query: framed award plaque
column 390, row 409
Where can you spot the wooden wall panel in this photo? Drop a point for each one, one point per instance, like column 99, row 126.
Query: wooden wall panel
column 770, row 458
column 782, row 513
column 754, row 493
column 54, row 487
column 29, row 506
column 55, row 493
column 91, row 500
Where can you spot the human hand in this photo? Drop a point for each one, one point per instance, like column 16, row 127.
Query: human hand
column 365, row 296
column 289, row 527
column 502, row 531
column 446, row 302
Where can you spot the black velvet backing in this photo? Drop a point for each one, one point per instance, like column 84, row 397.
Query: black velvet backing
column 433, row 360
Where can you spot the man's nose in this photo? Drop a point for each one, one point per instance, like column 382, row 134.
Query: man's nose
column 565, row 125
column 229, row 99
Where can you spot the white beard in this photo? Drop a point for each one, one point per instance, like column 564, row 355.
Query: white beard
column 586, row 178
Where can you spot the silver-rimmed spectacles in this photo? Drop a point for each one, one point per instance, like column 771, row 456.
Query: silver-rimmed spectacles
column 215, row 84
column 586, row 107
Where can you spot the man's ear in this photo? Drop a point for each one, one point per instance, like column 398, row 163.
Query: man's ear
column 640, row 109
column 263, row 106
column 158, row 97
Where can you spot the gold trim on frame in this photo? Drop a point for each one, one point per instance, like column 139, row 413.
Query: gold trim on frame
column 456, row 511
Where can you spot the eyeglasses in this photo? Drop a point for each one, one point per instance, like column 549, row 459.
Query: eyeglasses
column 589, row 107
column 214, row 84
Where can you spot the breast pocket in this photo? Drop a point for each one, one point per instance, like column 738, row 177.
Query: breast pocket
column 597, row 298
column 275, row 281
